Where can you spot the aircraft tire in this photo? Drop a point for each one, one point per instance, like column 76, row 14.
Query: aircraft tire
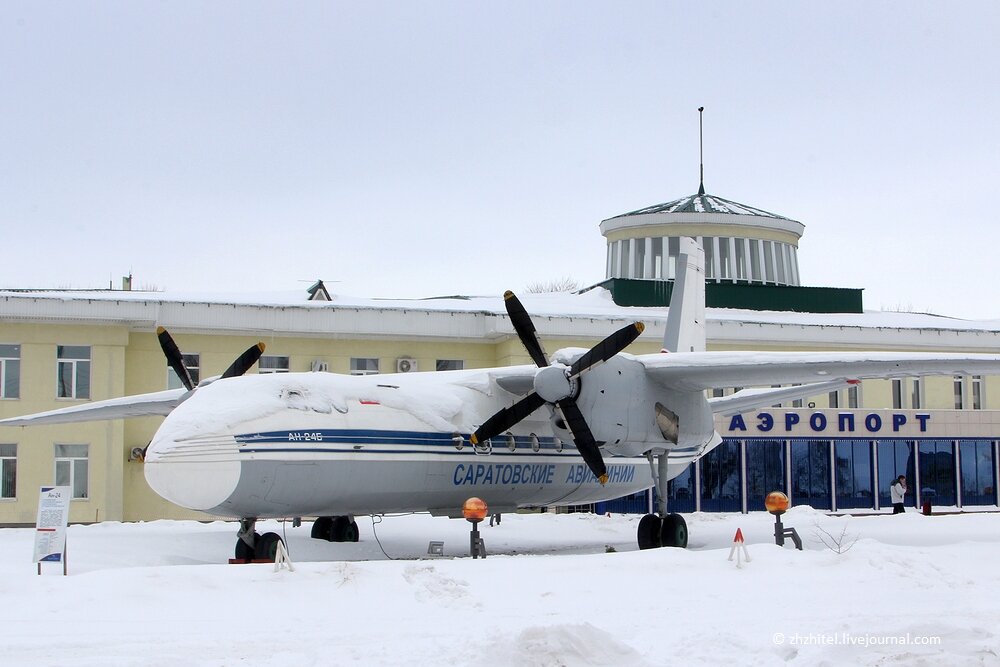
column 353, row 533
column 243, row 550
column 674, row 532
column 266, row 546
column 340, row 530
column 649, row 532
column 321, row 528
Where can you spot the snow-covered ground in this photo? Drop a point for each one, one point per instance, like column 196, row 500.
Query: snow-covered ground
column 555, row 590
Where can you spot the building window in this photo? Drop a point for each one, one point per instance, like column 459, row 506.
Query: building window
column 916, row 396
column 73, row 371
column 449, row 365
column 765, row 471
column 854, row 396
column 957, row 384
column 192, row 362
column 658, row 258
column 768, row 261
column 725, row 258
column 979, row 482
column 708, row 245
column 720, row 478
column 755, row 273
column 853, row 473
column 361, row 366
column 811, row 473
column 10, row 371
column 937, row 472
column 897, row 394
column 895, row 458
column 72, row 468
column 272, row 364
column 741, row 259
column 680, row 491
column 8, row 471
column 640, row 259
column 834, row 399
column 977, row 392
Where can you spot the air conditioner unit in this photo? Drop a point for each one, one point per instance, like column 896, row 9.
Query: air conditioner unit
column 319, row 366
column 406, row 365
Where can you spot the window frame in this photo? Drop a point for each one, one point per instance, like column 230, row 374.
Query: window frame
column 6, row 364
column 75, row 364
column 8, row 461
column 286, row 368
column 357, row 370
column 77, row 465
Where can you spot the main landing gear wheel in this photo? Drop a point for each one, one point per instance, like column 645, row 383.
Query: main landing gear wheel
column 243, row 550
column 670, row 531
column 266, row 546
column 344, row 529
column 335, row 529
column 649, row 532
column 674, row 532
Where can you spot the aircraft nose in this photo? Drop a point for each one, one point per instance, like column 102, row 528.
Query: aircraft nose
column 195, row 473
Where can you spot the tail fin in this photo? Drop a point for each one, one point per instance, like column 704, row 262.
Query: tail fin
column 686, row 317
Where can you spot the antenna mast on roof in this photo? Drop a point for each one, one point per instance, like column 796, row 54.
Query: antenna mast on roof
column 701, row 153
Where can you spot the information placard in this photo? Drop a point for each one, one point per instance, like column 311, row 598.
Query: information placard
column 50, row 527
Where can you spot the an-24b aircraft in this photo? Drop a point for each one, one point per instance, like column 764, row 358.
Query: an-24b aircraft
column 580, row 427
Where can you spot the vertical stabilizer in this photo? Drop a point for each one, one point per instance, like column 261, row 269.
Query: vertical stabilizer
column 686, row 317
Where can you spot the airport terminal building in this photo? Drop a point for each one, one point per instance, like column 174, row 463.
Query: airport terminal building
column 836, row 451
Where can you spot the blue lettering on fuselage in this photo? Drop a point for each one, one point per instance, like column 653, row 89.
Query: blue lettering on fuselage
column 485, row 474
column 617, row 474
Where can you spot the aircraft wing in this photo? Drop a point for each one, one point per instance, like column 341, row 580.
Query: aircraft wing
column 693, row 371
column 140, row 405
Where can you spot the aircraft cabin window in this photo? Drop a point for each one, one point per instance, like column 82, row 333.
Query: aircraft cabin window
column 363, row 366
column 273, row 364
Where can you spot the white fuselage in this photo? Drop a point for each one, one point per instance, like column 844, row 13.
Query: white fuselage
column 317, row 444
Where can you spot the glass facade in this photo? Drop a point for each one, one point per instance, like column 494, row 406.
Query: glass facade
column 820, row 472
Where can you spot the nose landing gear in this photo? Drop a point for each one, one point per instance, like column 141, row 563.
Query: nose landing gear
column 251, row 545
column 669, row 531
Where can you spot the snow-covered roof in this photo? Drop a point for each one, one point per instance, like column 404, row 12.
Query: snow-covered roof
column 704, row 203
column 592, row 314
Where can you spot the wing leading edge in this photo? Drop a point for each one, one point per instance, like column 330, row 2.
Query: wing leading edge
column 141, row 405
column 697, row 371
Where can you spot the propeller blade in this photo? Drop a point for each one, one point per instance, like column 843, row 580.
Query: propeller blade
column 607, row 348
column 244, row 361
column 583, row 438
column 524, row 328
column 174, row 357
column 506, row 418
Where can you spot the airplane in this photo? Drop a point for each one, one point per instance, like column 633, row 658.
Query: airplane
column 577, row 428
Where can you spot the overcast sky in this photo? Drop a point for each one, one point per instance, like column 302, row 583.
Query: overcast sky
column 415, row 149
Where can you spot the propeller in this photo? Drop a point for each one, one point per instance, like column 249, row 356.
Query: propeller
column 557, row 386
column 176, row 360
